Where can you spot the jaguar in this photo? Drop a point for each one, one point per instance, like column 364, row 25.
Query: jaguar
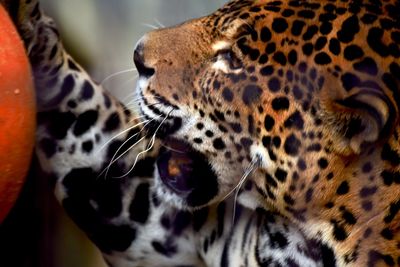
column 107, row 166
column 297, row 103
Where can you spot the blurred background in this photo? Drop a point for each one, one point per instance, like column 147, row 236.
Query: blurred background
column 101, row 35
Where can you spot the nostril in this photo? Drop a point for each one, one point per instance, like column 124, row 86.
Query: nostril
column 139, row 63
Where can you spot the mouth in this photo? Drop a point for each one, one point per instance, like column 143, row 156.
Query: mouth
column 163, row 129
column 186, row 173
column 159, row 120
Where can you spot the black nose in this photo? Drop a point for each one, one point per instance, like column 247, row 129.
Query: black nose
column 138, row 58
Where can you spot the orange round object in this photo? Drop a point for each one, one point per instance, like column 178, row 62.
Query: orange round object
column 17, row 114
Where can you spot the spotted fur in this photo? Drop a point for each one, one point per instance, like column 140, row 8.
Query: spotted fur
column 84, row 140
column 307, row 92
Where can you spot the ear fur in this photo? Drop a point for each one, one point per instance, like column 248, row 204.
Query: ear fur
column 359, row 119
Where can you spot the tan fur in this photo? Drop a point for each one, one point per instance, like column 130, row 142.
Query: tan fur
column 345, row 202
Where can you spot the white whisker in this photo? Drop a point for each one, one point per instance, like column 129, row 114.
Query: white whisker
column 130, row 80
column 114, row 158
column 150, row 26
column 159, row 23
column 149, row 146
column 137, row 119
column 129, row 95
column 116, row 74
column 133, row 95
column 247, row 172
column 133, row 106
column 124, row 131
column 135, row 100
column 172, row 149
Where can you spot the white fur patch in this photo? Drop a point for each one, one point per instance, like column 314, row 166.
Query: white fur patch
column 258, row 151
column 220, row 45
column 142, row 83
column 221, row 65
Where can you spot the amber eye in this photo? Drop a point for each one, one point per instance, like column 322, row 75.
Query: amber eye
column 230, row 57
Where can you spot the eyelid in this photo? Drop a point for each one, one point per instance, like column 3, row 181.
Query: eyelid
column 221, row 45
column 227, row 54
column 230, row 56
column 224, row 51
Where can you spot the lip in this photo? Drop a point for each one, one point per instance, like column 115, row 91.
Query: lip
column 163, row 129
column 186, row 172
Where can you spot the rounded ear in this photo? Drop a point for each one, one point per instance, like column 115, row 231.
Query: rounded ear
column 359, row 119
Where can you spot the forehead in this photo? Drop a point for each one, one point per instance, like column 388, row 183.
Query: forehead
column 228, row 22
column 249, row 11
column 232, row 16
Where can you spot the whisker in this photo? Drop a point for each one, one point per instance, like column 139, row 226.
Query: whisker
column 149, row 146
column 246, row 174
column 124, row 131
column 137, row 118
column 133, row 101
column 150, row 26
column 116, row 74
column 114, row 158
column 130, row 80
column 159, row 23
column 128, row 97
column 133, row 106
column 149, row 105
column 172, row 149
